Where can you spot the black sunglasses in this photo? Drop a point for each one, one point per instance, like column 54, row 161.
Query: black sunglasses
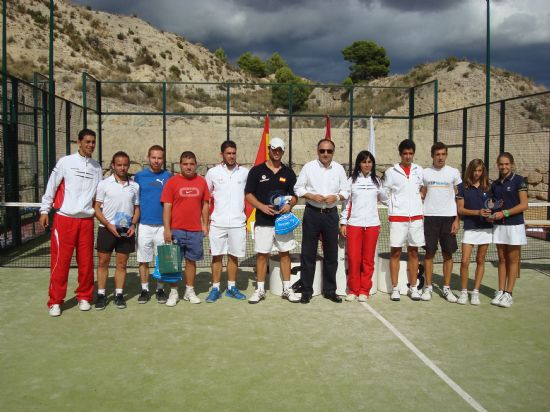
column 323, row 151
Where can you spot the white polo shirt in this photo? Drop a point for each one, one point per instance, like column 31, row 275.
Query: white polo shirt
column 117, row 197
column 317, row 179
column 227, row 191
column 440, row 194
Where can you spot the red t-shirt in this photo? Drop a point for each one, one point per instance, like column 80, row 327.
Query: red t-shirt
column 407, row 170
column 186, row 196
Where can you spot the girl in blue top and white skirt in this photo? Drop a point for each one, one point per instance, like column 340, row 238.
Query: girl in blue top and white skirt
column 471, row 197
column 510, row 191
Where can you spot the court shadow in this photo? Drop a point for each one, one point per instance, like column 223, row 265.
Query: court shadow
column 456, row 286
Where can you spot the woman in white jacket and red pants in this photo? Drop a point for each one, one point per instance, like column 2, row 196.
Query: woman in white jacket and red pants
column 360, row 225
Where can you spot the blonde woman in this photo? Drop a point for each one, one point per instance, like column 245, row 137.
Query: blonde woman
column 509, row 190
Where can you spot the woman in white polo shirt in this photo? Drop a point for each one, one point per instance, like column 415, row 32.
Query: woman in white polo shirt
column 360, row 225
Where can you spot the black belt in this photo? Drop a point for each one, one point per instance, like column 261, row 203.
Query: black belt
column 321, row 210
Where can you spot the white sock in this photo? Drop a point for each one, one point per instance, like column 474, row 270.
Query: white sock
column 160, row 285
column 261, row 286
column 475, row 291
column 216, row 285
column 286, row 284
column 189, row 289
column 101, row 292
column 145, row 286
column 118, row 291
column 428, row 287
column 446, row 287
column 464, row 290
column 230, row 284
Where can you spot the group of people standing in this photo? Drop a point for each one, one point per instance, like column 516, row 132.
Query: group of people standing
column 157, row 207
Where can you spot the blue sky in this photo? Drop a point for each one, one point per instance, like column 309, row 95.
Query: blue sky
column 310, row 34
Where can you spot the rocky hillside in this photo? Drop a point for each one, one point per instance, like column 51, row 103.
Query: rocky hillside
column 108, row 46
column 117, row 47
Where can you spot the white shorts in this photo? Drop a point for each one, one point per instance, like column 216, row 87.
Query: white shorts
column 509, row 235
column 478, row 236
column 266, row 241
column 403, row 233
column 148, row 238
column 227, row 240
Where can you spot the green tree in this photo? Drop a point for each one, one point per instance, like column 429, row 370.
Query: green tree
column 274, row 63
column 252, row 64
column 281, row 94
column 369, row 60
column 220, row 54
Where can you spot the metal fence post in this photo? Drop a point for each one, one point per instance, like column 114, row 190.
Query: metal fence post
column 436, row 111
column 464, row 139
column 11, row 165
column 68, row 128
column 84, row 102
column 411, row 113
column 164, row 122
column 350, row 155
column 228, row 111
column 502, row 125
column 99, row 120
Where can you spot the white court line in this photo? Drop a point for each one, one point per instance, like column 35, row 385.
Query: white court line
column 452, row 384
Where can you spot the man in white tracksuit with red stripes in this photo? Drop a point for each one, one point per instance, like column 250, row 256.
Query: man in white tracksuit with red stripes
column 71, row 189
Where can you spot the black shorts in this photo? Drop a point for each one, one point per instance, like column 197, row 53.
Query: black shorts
column 438, row 229
column 107, row 242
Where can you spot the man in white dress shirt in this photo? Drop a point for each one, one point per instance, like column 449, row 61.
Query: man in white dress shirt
column 322, row 182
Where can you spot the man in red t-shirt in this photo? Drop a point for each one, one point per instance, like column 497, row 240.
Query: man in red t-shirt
column 185, row 217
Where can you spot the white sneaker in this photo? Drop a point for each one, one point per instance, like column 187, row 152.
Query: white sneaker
column 257, row 296
column 173, row 298
column 290, row 296
column 363, row 298
column 498, row 296
column 449, row 295
column 84, row 305
column 462, row 298
column 351, row 297
column 191, row 296
column 395, row 295
column 413, row 293
column 506, row 301
column 426, row 294
column 474, row 299
column 55, row 310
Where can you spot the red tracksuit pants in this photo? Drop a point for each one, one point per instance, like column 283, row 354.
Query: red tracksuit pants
column 69, row 233
column 361, row 245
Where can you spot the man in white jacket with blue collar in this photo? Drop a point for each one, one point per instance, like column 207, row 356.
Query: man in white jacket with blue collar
column 402, row 183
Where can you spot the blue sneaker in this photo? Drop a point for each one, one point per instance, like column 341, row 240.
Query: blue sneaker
column 235, row 293
column 214, row 295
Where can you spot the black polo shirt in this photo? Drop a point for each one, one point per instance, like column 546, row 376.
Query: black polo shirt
column 508, row 190
column 266, row 186
column 474, row 199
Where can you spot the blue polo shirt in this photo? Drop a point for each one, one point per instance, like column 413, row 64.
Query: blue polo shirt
column 150, row 189
column 508, row 190
column 474, row 199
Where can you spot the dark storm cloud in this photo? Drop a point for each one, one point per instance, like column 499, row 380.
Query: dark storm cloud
column 310, row 34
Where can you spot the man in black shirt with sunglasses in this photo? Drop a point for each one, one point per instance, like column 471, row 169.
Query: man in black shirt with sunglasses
column 323, row 183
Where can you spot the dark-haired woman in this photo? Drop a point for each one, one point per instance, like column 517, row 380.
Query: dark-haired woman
column 471, row 198
column 360, row 225
column 510, row 190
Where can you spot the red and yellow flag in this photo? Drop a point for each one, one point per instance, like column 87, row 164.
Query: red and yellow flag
column 261, row 157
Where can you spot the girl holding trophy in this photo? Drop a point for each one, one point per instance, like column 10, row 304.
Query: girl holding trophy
column 473, row 201
column 509, row 194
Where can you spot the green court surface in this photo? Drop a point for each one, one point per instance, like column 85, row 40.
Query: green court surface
column 274, row 356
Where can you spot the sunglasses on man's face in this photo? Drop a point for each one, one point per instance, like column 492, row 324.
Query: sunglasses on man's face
column 323, row 151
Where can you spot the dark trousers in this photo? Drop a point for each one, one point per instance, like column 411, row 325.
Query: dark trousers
column 314, row 225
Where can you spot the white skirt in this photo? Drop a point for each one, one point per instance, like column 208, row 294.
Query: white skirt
column 478, row 236
column 509, row 235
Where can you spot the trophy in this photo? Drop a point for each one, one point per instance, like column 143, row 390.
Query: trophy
column 285, row 222
column 122, row 223
column 494, row 205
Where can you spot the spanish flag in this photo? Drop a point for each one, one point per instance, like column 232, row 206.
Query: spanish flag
column 261, row 157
